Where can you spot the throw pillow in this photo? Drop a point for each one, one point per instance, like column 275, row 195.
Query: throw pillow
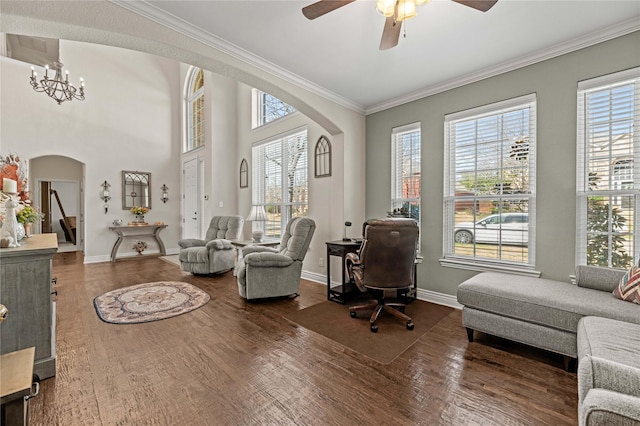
column 629, row 287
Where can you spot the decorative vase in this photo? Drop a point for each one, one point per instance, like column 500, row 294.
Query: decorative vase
column 21, row 233
column 139, row 218
column 27, row 230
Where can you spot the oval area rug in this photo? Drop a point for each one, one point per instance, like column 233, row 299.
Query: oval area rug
column 149, row 302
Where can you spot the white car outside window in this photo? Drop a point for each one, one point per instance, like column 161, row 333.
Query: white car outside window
column 507, row 229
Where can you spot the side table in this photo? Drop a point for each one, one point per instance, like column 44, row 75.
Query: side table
column 266, row 242
column 16, row 376
column 340, row 248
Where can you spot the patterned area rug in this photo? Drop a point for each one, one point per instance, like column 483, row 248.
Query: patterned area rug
column 149, row 302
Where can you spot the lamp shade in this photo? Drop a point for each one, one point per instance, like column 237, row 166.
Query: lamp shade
column 257, row 213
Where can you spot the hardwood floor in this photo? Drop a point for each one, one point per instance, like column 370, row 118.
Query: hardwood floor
column 237, row 363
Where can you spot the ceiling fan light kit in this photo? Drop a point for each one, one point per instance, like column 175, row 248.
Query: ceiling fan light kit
column 406, row 9
column 395, row 11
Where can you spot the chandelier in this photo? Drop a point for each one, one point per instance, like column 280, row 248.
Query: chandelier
column 57, row 88
column 401, row 9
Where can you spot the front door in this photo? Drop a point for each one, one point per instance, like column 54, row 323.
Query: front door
column 190, row 207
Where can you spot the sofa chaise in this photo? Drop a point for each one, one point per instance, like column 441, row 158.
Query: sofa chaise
column 582, row 321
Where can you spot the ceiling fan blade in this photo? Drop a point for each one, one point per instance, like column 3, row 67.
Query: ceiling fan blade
column 481, row 5
column 317, row 9
column 390, row 33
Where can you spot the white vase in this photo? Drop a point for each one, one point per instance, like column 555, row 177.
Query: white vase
column 21, row 233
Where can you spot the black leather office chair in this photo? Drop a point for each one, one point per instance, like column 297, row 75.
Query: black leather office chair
column 385, row 264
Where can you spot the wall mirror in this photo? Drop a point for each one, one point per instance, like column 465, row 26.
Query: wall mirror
column 136, row 189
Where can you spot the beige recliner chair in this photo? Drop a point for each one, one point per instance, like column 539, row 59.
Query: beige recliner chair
column 268, row 272
column 215, row 254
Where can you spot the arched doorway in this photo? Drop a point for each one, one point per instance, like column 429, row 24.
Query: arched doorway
column 56, row 184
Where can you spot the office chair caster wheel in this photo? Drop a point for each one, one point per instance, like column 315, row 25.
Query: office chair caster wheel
column 374, row 328
column 352, row 314
column 409, row 326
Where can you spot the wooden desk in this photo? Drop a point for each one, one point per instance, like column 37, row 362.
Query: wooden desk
column 137, row 231
column 16, row 377
column 343, row 291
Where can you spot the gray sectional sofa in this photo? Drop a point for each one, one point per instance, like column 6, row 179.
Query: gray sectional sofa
column 582, row 321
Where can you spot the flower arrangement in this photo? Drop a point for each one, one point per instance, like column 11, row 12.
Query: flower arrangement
column 138, row 210
column 12, row 167
column 27, row 214
column 139, row 246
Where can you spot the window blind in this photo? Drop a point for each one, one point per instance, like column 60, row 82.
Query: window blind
column 280, row 181
column 489, row 191
column 608, row 183
column 406, row 170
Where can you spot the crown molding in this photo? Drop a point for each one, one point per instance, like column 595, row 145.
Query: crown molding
column 168, row 20
column 609, row 33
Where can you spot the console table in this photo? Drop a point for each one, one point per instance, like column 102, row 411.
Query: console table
column 137, row 231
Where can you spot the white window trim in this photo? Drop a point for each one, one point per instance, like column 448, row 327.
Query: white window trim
column 582, row 190
column 460, row 262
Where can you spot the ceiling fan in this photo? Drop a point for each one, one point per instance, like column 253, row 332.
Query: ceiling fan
column 395, row 11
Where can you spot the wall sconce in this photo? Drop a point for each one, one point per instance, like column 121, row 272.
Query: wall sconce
column 105, row 196
column 165, row 194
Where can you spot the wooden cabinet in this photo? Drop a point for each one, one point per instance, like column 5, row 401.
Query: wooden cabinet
column 25, row 289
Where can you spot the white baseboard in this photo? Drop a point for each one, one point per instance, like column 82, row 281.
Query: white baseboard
column 426, row 295
column 97, row 259
column 315, row 277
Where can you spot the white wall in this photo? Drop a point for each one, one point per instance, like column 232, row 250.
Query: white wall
column 129, row 121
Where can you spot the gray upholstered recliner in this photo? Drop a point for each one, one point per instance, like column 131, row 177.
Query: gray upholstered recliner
column 214, row 254
column 267, row 272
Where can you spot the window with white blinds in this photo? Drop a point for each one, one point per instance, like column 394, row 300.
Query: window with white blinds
column 608, row 182
column 268, row 108
column 195, row 110
column 405, row 171
column 280, row 179
column 489, row 191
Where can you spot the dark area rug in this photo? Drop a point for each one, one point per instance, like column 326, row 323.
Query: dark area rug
column 332, row 320
column 149, row 302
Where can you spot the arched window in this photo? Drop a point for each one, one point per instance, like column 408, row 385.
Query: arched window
column 195, row 110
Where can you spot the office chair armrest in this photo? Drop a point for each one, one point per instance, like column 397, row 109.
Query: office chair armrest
column 191, row 242
column 266, row 259
column 220, row 244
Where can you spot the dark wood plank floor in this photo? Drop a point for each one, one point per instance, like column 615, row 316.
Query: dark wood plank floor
column 237, row 363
